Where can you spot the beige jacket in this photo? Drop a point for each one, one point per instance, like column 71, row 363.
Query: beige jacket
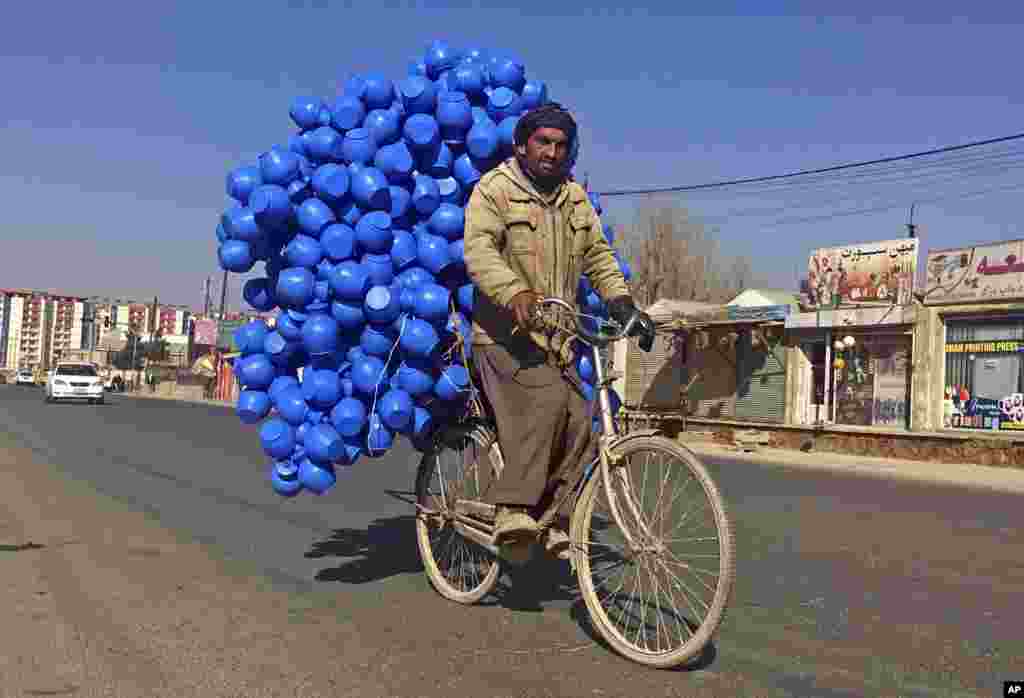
column 517, row 239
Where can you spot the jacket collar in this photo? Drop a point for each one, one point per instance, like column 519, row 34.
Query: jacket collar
column 511, row 170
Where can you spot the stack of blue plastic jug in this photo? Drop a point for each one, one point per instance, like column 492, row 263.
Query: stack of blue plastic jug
column 358, row 223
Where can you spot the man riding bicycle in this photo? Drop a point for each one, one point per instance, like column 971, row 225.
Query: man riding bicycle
column 530, row 232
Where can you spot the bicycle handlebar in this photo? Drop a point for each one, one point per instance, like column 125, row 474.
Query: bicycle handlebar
column 600, row 338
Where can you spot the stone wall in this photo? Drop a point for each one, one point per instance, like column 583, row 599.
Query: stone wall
column 940, row 448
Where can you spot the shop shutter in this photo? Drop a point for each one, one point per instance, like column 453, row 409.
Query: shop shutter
column 761, row 382
column 713, row 394
column 654, row 379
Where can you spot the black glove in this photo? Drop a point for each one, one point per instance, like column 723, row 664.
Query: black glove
column 622, row 311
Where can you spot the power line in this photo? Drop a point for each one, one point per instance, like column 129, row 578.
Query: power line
column 801, row 173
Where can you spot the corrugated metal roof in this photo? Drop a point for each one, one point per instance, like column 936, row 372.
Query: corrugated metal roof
column 668, row 310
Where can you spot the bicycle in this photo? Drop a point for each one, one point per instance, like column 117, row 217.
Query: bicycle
column 457, row 511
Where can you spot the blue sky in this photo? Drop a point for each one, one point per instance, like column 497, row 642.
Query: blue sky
column 122, row 119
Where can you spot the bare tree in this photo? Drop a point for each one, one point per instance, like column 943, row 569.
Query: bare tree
column 672, row 256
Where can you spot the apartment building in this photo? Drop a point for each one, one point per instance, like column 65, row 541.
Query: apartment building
column 36, row 328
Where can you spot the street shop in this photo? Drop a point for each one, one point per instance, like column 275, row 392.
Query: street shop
column 974, row 289
column 854, row 350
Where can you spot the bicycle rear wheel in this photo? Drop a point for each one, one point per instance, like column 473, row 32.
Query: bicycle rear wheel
column 659, row 600
column 459, row 468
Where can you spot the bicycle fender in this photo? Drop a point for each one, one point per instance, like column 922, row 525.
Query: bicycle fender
column 638, row 434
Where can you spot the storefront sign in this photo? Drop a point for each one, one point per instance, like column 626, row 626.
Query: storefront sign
column 853, row 317
column 982, row 273
column 1003, row 346
column 878, row 272
column 758, row 313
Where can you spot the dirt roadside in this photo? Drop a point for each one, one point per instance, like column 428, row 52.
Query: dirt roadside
column 100, row 600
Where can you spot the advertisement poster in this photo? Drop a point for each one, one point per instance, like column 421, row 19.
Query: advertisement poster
column 984, row 272
column 205, row 332
column 992, row 399
column 877, row 272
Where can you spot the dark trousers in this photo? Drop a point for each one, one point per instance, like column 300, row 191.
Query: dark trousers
column 543, row 423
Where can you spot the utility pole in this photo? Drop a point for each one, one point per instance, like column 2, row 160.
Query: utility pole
column 223, row 294
column 911, row 228
column 206, row 297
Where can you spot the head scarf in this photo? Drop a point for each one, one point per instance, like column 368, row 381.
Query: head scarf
column 550, row 115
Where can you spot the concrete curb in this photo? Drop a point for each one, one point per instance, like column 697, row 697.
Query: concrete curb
column 983, row 477
column 172, row 398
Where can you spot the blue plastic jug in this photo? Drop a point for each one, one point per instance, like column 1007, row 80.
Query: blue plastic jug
column 430, row 303
column 371, row 190
column 321, row 388
column 422, row 133
column 313, row 215
column 358, row 146
column 318, row 479
column 379, row 437
column 349, row 315
column 350, row 281
column 271, row 205
column 384, row 126
column 323, row 145
column 426, row 195
column 279, row 166
column 284, row 479
column 454, row 116
column 294, row 287
column 305, row 112
column 534, row 94
column 250, row 337
column 378, row 268
column 242, row 182
column 235, row 256
column 277, row 437
column 415, row 376
column 436, row 162
column 367, row 373
column 377, row 341
column 453, row 383
column 338, row 242
column 373, row 232
column 252, row 406
column 395, row 161
column 396, row 410
column 320, row 334
column 347, row 113
column 331, row 183
column 419, row 96
column 420, row 339
column 303, row 251
column 447, row 221
column 503, row 103
column 349, row 416
column 291, row 405
column 403, row 250
column 255, row 371
column 382, row 305
column 432, row 253
column 378, row 91
column 258, row 293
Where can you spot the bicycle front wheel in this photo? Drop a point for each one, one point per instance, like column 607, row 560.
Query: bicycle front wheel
column 658, row 599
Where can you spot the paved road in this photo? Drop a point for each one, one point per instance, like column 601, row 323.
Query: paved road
column 847, row 586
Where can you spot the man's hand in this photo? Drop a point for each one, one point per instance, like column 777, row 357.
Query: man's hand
column 522, row 305
column 622, row 311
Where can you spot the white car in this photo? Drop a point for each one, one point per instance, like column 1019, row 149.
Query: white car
column 24, row 377
column 74, row 381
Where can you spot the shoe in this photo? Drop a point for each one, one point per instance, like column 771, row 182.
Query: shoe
column 557, row 543
column 513, row 524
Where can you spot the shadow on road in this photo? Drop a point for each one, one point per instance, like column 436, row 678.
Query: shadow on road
column 385, row 548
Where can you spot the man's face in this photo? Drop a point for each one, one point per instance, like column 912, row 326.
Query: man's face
column 546, row 152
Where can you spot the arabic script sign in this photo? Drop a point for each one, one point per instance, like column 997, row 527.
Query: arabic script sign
column 877, row 272
column 983, row 273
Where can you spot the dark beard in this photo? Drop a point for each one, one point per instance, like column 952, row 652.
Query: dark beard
column 544, row 184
